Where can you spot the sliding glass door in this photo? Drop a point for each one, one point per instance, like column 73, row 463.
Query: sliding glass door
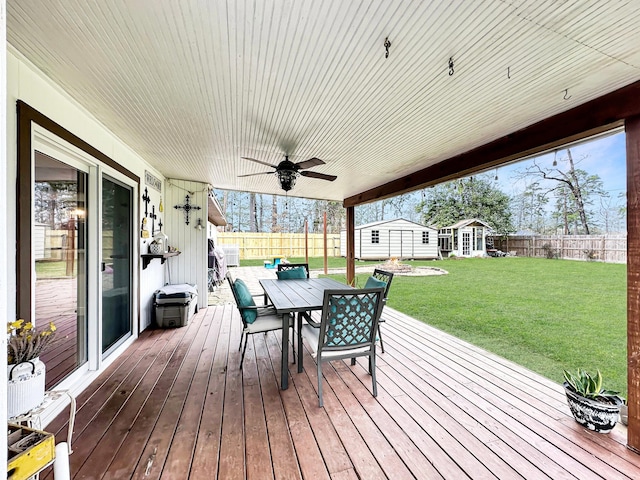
column 116, row 262
column 59, row 251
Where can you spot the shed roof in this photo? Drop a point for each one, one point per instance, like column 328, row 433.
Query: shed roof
column 467, row 222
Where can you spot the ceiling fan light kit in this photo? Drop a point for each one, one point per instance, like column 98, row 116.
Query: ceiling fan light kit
column 287, row 179
column 288, row 172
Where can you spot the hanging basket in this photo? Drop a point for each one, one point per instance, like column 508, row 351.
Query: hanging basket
column 25, row 386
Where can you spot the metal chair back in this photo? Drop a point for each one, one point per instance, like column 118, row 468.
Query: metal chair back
column 385, row 277
column 349, row 320
column 291, row 266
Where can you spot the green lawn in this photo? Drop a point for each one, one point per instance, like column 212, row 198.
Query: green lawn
column 51, row 269
column 547, row 315
column 314, row 262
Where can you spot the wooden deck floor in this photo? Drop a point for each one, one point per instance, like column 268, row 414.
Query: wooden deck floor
column 176, row 406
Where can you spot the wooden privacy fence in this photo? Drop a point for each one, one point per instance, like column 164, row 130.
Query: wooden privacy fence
column 603, row 248
column 268, row 245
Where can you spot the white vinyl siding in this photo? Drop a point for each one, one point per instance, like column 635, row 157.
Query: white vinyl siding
column 396, row 238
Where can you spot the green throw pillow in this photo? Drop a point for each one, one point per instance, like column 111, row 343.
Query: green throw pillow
column 298, row 272
column 373, row 282
column 246, row 300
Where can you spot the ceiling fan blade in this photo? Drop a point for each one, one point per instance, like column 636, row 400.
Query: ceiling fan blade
column 312, row 162
column 254, row 174
column 321, row 176
column 260, row 161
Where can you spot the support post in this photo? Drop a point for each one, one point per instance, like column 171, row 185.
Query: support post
column 306, row 242
column 351, row 244
column 632, row 127
column 324, row 231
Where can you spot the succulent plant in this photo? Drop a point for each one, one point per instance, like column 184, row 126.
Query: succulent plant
column 589, row 386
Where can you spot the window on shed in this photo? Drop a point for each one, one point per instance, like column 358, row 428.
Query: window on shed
column 375, row 236
column 425, row 237
column 479, row 235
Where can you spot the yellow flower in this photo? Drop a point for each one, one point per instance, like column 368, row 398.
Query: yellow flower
column 52, row 327
column 17, row 324
column 28, row 326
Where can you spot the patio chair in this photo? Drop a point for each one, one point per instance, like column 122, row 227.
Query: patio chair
column 380, row 278
column 287, row 271
column 295, row 270
column 255, row 318
column 347, row 329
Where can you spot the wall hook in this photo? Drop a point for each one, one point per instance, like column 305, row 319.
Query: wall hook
column 451, row 71
column 566, row 94
column 509, row 73
column 387, row 45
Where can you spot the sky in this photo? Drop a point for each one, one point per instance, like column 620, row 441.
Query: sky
column 604, row 156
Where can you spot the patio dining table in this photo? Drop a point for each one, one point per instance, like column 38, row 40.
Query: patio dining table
column 295, row 296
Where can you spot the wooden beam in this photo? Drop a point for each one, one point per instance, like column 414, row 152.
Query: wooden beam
column 24, row 219
column 632, row 128
column 351, row 243
column 591, row 118
column 324, row 237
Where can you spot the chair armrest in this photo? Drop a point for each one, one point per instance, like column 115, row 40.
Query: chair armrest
column 264, row 295
column 309, row 319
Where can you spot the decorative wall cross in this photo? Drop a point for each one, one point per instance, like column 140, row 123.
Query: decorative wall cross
column 187, row 207
column 146, row 200
column 160, row 224
column 153, row 217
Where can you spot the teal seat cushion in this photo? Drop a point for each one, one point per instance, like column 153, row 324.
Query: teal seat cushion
column 245, row 300
column 298, row 272
column 373, row 282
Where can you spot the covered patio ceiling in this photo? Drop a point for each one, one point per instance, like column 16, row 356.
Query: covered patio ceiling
column 193, row 86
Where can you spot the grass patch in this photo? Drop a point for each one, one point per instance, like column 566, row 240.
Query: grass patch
column 51, row 269
column 546, row 315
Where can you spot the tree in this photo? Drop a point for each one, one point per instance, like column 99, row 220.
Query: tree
column 275, row 227
column 473, row 197
column 529, row 208
column 574, row 190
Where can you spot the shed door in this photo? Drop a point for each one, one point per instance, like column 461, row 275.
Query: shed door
column 466, row 244
column 401, row 243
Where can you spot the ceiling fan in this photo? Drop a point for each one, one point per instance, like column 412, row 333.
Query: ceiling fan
column 288, row 172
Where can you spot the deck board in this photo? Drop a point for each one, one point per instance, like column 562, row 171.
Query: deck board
column 176, row 405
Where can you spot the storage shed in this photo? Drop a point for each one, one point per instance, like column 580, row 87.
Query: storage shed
column 392, row 238
column 466, row 238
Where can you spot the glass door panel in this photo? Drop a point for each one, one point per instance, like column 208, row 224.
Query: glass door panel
column 59, row 238
column 116, row 262
column 466, row 243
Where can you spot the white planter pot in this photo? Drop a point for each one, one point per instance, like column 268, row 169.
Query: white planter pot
column 25, row 386
column 597, row 416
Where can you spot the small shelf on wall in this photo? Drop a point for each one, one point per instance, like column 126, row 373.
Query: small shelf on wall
column 147, row 257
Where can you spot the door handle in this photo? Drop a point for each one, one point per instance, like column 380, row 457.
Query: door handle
column 103, row 266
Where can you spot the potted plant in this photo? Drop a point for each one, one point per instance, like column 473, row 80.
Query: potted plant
column 592, row 406
column 25, row 371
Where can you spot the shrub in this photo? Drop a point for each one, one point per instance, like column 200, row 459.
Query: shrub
column 550, row 252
